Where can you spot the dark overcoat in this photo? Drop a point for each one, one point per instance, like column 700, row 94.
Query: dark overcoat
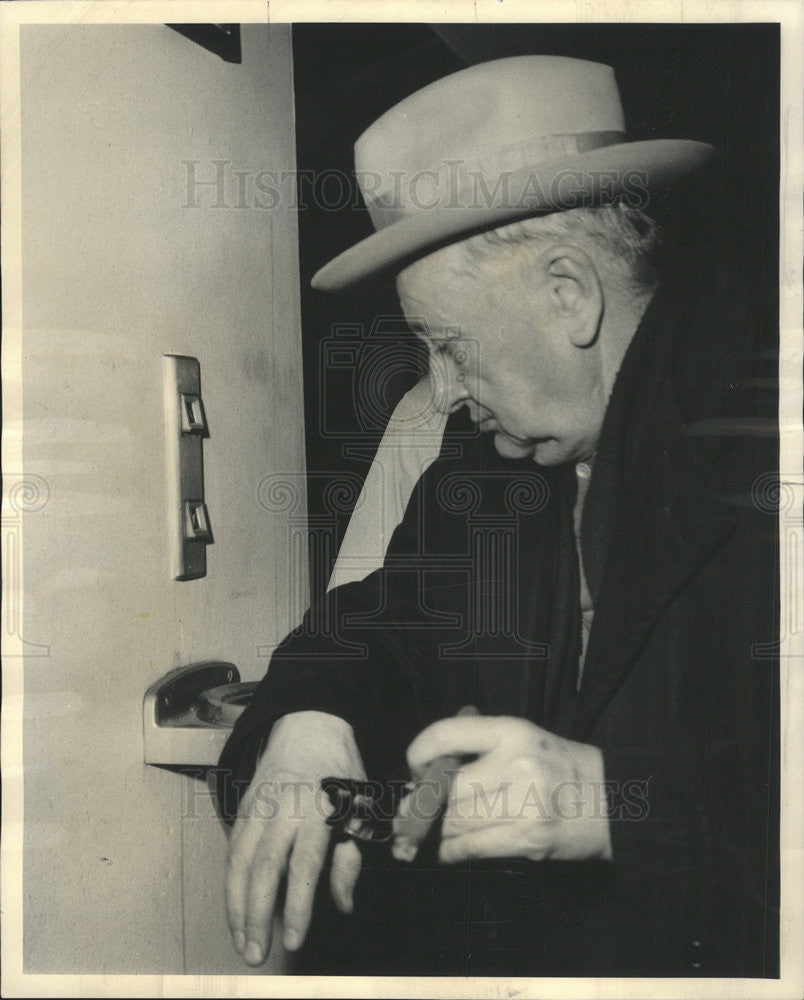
column 478, row 603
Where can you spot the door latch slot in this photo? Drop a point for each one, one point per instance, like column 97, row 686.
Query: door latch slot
column 196, row 521
column 193, row 420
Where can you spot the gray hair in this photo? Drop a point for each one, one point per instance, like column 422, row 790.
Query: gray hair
column 630, row 241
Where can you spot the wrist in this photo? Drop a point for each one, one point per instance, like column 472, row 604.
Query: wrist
column 308, row 742
column 599, row 831
column 584, row 810
column 312, row 719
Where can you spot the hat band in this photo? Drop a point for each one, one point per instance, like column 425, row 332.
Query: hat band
column 472, row 184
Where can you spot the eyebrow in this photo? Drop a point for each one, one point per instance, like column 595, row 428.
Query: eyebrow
column 448, row 333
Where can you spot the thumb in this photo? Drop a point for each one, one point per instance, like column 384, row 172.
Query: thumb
column 459, row 735
column 346, row 863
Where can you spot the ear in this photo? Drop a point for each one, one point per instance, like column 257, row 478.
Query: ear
column 575, row 293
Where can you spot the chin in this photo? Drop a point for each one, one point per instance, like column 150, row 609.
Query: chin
column 551, row 452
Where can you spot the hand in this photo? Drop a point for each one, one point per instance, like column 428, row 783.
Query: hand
column 529, row 794
column 281, row 828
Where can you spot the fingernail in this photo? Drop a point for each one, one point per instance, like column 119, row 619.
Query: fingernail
column 239, row 940
column 253, row 953
column 291, row 940
column 404, row 849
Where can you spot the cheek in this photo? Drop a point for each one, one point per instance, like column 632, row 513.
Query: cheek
column 524, row 402
column 569, row 385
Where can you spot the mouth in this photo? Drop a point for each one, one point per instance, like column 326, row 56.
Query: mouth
column 488, row 424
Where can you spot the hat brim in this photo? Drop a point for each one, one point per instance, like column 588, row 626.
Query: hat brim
column 629, row 168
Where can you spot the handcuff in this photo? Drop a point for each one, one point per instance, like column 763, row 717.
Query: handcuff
column 362, row 810
column 402, row 812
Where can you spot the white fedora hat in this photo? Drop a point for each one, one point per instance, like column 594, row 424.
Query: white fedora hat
column 495, row 142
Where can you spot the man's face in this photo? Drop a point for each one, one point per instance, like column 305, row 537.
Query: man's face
column 499, row 344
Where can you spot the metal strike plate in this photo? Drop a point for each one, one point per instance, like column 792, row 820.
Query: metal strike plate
column 185, row 430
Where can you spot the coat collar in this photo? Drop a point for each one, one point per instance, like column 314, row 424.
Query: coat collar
column 651, row 517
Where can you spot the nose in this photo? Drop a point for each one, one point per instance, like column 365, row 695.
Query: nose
column 448, row 384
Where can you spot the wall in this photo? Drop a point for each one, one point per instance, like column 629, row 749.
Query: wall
column 117, row 270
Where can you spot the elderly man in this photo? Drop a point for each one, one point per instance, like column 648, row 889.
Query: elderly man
column 597, row 584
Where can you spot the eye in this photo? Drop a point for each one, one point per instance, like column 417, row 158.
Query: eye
column 449, row 349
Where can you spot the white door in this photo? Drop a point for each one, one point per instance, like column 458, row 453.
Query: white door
column 143, row 234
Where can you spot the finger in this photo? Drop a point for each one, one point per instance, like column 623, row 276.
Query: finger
column 474, row 804
column 305, row 866
column 238, row 874
column 460, row 825
column 267, row 868
column 491, row 842
column 417, row 812
column 346, row 863
column 457, row 735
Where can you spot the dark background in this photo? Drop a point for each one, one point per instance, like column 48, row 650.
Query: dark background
column 715, row 83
